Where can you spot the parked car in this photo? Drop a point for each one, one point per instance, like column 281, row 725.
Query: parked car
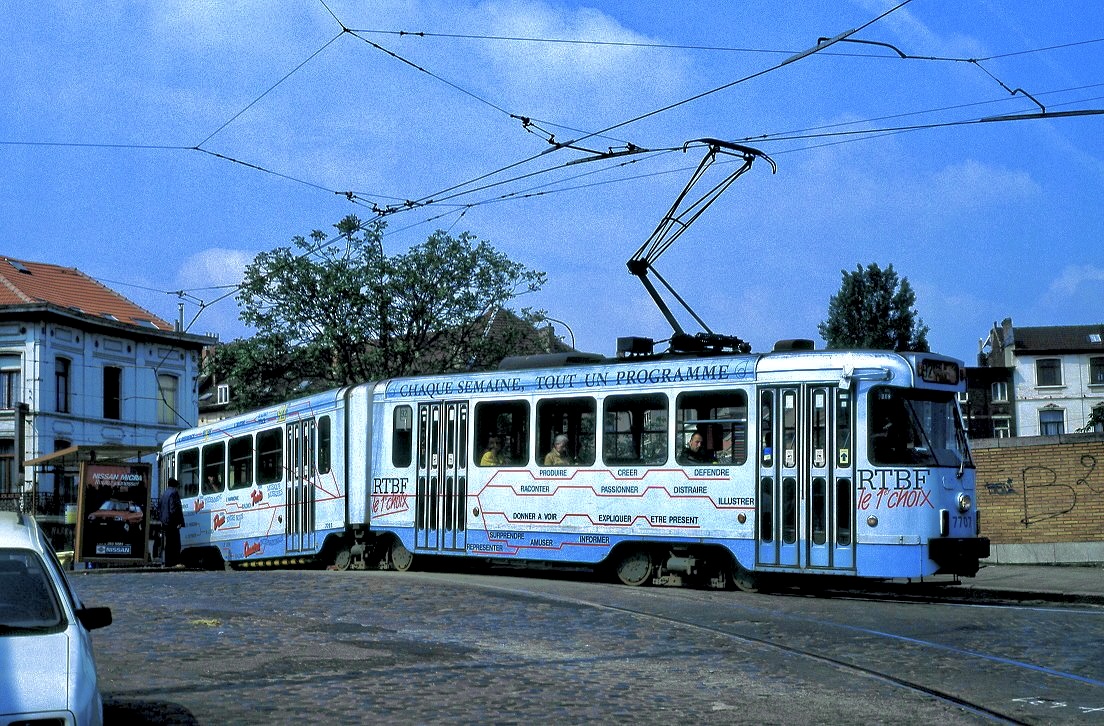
column 49, row 670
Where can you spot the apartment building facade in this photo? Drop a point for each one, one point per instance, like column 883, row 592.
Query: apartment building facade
column 1037, row 381
column 80, row 365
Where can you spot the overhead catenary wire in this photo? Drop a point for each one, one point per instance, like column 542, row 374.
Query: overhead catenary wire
column 461, row 209
column 686, row 46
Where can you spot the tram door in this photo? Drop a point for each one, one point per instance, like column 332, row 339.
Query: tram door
column 441, row 499
column 299, row 488
column 806, row 505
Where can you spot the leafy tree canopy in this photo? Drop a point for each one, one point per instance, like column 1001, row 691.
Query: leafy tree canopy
column 337, row 311
column 874, row 310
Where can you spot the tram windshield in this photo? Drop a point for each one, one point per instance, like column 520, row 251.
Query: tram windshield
column 918, row 428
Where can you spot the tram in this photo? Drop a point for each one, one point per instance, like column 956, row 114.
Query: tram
column 661, row 469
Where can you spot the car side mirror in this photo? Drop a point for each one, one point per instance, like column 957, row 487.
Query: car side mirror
column 92, row 618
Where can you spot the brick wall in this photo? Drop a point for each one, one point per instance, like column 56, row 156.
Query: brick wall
column 1041, row 489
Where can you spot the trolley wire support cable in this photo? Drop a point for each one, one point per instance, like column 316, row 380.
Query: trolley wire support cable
column 673, row 224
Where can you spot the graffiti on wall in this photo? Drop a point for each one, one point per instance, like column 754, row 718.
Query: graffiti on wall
column 1044, row 496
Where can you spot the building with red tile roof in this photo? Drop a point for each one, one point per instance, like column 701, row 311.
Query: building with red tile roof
column 83, row 366
column 36, row 286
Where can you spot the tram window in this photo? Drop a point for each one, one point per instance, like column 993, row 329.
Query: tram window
column 843, row 512
column 187, row 472
column 721, row 418
column 270, row 456
column 766, row 509
column 766, row 429
column 308, row 433
column 462, row 444
column 843, row 428
column 916, row 427
column 819, row 428
column 241, row 462
column 165, row 468
column 789, row 510
column 214, row 467
column 635, row 429
column 507, row 422
column 789, row 429
column 461, row 499
column 818, row 516
column 324, row 442
column 572, row 418
column 402, row 436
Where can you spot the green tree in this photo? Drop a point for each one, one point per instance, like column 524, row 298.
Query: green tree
column 1096, row 418
column 264, row 369
column 331, row 312
column 874, row 309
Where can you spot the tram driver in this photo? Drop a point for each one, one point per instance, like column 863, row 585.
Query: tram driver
column 695, row 451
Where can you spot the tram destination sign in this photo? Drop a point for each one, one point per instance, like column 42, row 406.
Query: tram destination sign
column 939, row 371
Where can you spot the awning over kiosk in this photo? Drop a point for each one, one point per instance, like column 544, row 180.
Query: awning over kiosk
column 101, row 453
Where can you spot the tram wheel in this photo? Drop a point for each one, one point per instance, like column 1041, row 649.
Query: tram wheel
column 343, row 559
column 401, row 557
column 635, row 568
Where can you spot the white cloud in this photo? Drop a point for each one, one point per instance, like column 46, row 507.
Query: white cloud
column 572, row 79
column 214, row 267
column 1072, row 279
column 971, row 183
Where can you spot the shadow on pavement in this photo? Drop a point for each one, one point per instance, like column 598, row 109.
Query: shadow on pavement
column 125, row 711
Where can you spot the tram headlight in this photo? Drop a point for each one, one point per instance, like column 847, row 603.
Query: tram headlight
column 965, row 502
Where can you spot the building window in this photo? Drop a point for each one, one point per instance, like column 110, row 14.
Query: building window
column 112, row 392
column 1048, row 372
column 10, row 392
column 222, row 393
column 1000, row 392
column 1002, row 427
column 1096, row 371
column 1096, row 419
column 7, row 466
column 167, row 387
column 1052, row 422
column 61, row 383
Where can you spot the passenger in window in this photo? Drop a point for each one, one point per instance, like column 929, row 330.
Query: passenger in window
column 493, row 456
column 558, row 456
column 696, row 453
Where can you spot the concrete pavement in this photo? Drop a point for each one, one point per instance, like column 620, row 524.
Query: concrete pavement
column 1068, row 583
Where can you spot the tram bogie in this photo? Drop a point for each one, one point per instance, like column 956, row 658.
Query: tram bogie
column 721, row 470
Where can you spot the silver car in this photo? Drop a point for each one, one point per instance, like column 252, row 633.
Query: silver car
column 47, row 670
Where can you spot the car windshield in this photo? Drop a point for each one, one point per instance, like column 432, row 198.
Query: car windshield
column 28, row 602
column 918, row 428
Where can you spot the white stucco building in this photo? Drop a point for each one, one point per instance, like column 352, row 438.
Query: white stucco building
column 80, row 365
column 1057, row 374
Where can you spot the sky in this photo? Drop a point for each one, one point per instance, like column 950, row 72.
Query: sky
column 160, row 146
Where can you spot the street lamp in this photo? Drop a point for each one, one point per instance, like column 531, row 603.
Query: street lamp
column 566, row 326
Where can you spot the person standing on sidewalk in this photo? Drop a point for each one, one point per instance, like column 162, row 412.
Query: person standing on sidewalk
column 172, row 521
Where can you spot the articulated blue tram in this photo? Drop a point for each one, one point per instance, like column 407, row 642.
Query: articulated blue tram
column 663, row 469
